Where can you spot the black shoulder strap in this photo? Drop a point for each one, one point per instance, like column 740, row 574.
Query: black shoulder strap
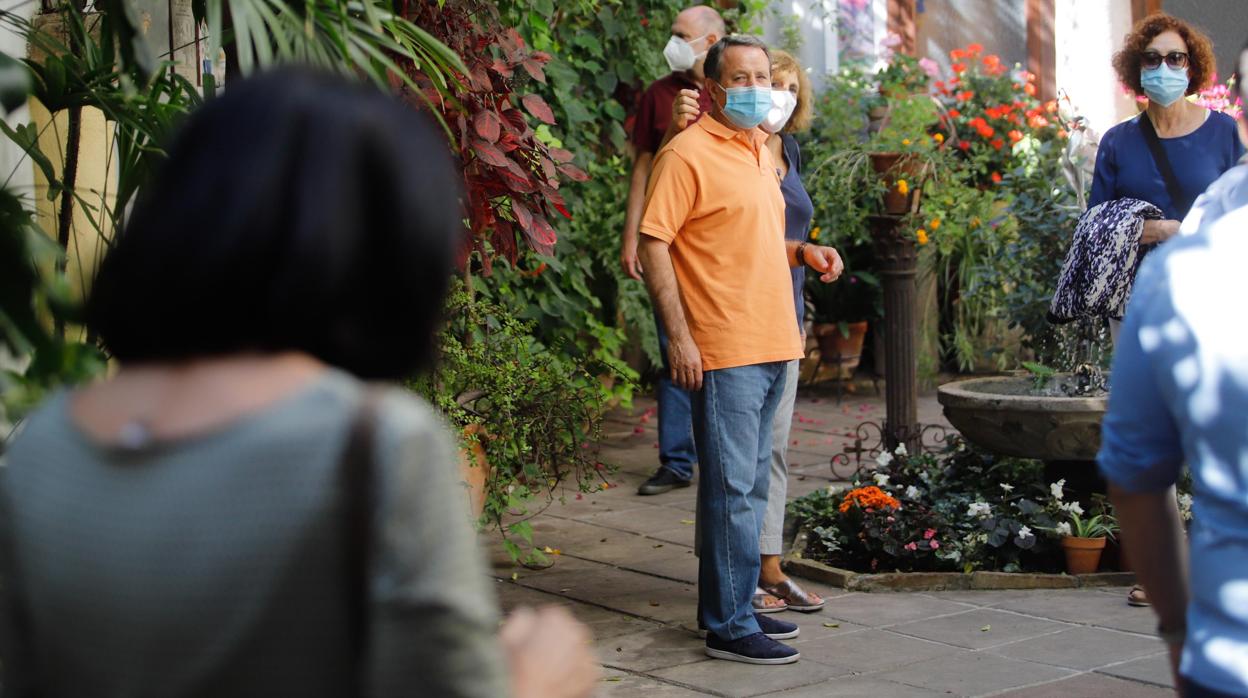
column 356, row 476
column 1177, row 195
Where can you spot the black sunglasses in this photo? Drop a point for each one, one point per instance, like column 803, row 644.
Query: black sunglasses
column 1153, row 59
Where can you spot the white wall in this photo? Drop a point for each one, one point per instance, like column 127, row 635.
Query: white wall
column 1087, row 34
column 11, row 157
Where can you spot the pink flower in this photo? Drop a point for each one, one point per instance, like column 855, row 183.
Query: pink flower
column 929, row 66
column 929, row 533
column 935, row 544
column 912, row 546
column 893, row 40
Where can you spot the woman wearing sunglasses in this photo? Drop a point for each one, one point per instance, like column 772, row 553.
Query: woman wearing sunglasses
column 1170, row 153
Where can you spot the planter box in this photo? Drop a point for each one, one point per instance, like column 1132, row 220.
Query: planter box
column 797, row 565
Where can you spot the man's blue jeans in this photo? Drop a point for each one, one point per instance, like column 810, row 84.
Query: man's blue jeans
column 676, row 452
column 732, row 417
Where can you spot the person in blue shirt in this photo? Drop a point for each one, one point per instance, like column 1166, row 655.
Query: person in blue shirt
column 1164, row 59
column 1180, row 394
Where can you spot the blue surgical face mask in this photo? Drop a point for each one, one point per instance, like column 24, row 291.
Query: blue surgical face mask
column 1163, row 84
column 746, row 107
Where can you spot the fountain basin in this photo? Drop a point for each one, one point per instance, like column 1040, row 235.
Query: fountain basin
column 1003, row 414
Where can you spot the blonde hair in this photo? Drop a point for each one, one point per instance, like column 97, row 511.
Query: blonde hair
column 784, row 62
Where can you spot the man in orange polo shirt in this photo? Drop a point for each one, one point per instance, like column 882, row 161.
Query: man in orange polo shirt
column 717, row 268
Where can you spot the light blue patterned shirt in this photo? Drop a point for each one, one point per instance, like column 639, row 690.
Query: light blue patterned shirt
column 1179, row 393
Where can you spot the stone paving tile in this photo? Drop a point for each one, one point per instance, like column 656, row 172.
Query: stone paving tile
column 1084, row 606
column 739, row 680
column 1091, row 685
column 673, row 562
column 816, row 626
column 618, row 684
column 857, row 687
column 1082, row 648
column 647, row 650
column 880, row 609
column 644, row 518
column 873, row 650
column 979, row 629
column 1154, row 670
column 975, row 674
column 681, row 535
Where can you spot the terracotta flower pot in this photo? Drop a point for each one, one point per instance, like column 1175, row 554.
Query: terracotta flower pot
column 474, row 469
column 894, row 169
column 840, row 351
column 1083, row 555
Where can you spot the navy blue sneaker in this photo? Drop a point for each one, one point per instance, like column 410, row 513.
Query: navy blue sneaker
column 751, row 649
column 772, row 627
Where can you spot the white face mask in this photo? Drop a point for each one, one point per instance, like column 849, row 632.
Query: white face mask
column 783, row 103
column 679, row 53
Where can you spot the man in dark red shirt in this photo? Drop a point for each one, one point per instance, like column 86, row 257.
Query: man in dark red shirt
column 694, row 31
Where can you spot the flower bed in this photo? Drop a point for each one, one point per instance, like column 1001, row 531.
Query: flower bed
column 964, row 511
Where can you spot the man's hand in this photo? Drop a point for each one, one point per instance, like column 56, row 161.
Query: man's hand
column 628, row 256
column 686, row 363
column 685, row 109
column 1159, row 231
column 825, row 260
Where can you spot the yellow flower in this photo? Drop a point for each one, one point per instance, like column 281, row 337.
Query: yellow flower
column 922, row 235
column 905, row 141
column 939, row 137
column 814, row 234
column 975, row 221
column 902, row 187
column 934, row 224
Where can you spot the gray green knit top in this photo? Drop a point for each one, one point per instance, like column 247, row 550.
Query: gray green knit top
column 214, row 565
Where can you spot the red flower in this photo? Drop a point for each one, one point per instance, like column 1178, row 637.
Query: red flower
column 996, row 177
column 1015, row 136
column 997, row 144
column 992, row 61
column 1037, row 122
column 964, row 145
column 1050, row 106
column 974, row 49
column 954, row 114
column 645, row 22
column 957, row 54
column 958, row 68
column 1030, row 89
column 965, row 96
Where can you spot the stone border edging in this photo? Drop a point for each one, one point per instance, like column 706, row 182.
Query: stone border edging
column 941, row 581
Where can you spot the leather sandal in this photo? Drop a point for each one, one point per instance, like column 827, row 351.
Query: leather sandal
column 1137, row 597
column 794, row 596
column 767, row 603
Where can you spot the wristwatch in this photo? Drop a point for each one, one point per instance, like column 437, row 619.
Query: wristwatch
column 801, row 254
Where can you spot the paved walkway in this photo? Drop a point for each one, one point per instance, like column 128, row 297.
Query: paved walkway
column 626, row 567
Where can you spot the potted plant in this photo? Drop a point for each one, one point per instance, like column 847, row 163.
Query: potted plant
column 1084, row 540
column 526, row 414
column 841, row 311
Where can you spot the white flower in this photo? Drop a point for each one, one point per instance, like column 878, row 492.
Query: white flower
column 881, row 480
column 1056, row 489
column 1024, row 532
column 901, row 450
column 979, row 509
column 912, row 492
column 1073, row 507
column 1063, row 528
column 884, row 458
column 1007, row 488
column 1185, row 501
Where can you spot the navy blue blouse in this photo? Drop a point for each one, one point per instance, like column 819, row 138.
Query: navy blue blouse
column 798, row 212
column 1125, row 167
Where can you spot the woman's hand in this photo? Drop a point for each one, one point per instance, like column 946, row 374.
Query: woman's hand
column 685, row 109
column 1159, row 231
column 548, row 654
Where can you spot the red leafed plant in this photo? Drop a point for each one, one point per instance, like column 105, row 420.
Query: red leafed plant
column 510, row 176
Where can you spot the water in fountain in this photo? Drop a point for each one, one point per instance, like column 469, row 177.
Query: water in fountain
column 1079, row 352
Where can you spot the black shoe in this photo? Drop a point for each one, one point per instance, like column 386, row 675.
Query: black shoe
column 773, row 628
column 751, row 649
column 661, row 481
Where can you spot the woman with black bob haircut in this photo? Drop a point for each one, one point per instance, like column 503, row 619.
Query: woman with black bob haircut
column 234, row 513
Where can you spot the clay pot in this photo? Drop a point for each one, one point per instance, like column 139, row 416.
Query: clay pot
column 892, row 167
column 1083, row 555
column 835, row 349
column 474, row 469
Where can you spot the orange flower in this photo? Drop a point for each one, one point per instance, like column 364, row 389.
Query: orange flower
column 954, row 114
column 939, row 137
column 1015, row 136
column 1030, row 89
column 1050, row 106
column 1061, row 133
column 1037, row 121
column 996, row 177
column 921, row 236
column 992, row 61
column 868, row 498
column 987, row 131
column 965, row 96
column 958, row 68
column 974, row 49
column 957, row 54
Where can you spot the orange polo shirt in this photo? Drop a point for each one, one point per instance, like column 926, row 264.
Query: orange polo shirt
column 714, row 196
